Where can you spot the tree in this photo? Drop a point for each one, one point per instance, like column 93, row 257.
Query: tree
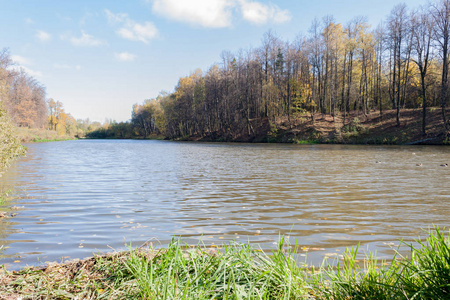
column 422, row 33
column 440, row 12
column 396, row 34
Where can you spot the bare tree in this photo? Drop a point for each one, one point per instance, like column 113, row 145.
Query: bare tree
column 396, row 31
column 422, row 32
column 441, row 15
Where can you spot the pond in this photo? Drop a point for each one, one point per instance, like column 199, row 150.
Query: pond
column 75, row 198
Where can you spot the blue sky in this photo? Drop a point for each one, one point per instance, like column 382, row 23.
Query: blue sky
column 100, row 57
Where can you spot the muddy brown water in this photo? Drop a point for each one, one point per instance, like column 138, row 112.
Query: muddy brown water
column 76, row 198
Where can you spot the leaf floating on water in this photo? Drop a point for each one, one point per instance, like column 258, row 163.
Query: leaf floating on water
column 17, row 261
column 118, row 217
column 221, row 237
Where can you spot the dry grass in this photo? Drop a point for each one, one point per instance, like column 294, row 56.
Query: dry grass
column 27, row 135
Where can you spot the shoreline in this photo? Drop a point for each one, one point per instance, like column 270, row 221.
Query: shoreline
column 355, row 128
column 188, row 272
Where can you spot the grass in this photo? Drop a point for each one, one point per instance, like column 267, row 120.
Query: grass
column 239, row 271
column 4, row 194
column 26, row 135
column 306, row 142
column 39, row 140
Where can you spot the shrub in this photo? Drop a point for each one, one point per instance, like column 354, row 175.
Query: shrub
column 10, row 146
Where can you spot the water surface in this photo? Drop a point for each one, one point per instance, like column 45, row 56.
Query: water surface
column 79, row 197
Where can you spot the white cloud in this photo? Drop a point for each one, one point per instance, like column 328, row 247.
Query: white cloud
column 66, row 67
column 43, row 36
column 219, row 13
column 29, row 21
column 207, row 13
column 21, row 65
column 138, row 32
column 33, row 73
column 115, row 18
column 259, row 13
column 85, row 40
column 131, row 30
column 20, row 60
column 125, row 56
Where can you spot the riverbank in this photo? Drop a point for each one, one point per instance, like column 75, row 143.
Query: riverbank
column 10, row 146
column 36, row 135
column 238, row 271
column 356, row 128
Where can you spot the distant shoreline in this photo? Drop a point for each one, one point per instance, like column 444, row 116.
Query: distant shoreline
column 355, row 128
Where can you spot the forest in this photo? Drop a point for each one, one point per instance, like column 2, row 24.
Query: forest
column 26, row 108
column 350, row 77
column 344, row 71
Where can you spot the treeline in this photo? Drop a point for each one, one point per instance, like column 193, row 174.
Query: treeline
column 334, row 69
column 9, row 145
column 25, row 101
column 23, row 96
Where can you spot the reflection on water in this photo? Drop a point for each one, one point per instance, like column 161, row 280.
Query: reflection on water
column 80, row 197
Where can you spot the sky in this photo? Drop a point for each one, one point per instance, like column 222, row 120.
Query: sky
column 100, row 57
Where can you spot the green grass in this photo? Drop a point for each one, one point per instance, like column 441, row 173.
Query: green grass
column 4, row 194
column 39, row 140
column 425, row 274
column 240, row 271
column 306, row 142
